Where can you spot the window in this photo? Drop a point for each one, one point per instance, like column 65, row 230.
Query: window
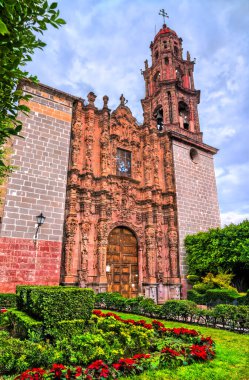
column 166, row 60
column 165, row 44
column 194, row 155
column 156, row 55
column 123, row 163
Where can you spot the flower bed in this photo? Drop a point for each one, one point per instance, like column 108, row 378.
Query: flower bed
column 169, row 348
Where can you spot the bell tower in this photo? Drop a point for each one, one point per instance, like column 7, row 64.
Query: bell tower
column 170, row 112
column 170, row 94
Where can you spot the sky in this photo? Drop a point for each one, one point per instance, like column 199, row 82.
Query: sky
column 104, row 45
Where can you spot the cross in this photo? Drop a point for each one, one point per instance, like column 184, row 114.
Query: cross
column 164, row 14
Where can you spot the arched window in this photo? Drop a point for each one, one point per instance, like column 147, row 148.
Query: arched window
column 176, row 50
column 183, row 114
column 166, row 60
column 156, row 55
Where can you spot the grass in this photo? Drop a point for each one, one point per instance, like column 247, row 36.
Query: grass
column 231, row 361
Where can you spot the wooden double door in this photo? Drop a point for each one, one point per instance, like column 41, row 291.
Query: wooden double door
column 122, row 262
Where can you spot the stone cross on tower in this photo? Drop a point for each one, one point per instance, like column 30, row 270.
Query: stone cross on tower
column 164, row 14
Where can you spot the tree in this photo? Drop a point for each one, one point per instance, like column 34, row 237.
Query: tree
column 220, row 250
column 21, row 22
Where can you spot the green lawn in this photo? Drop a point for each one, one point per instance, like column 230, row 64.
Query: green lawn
column 231, row 361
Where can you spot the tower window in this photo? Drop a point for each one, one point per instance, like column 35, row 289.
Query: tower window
column 158, row 114
column 176, row 50
column 123, row 163
column 165, row 44
column 166, row 60
column 184, row 115
column 156, row 55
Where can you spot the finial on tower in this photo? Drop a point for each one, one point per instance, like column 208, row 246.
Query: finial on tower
column 164, row 14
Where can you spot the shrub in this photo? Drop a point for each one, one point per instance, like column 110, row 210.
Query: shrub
column 196, row 297
column 112, row 301
column 7, row 300
column 193, row 279
column 202, row 288
column 17, row 356
column 226, row 315
column 23, row 326
column 221, row 280
column 178, row 309
column 66, row 329
column 217, row 296
column 54, row 304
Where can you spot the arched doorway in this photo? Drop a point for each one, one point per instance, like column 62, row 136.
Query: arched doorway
column 122, row 262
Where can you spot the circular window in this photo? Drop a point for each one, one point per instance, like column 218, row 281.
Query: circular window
column 194, row 155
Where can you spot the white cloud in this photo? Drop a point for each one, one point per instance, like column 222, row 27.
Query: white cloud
column 233, row 217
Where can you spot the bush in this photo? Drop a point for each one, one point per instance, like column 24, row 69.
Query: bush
column 193, row 279
column 53, row 304
column 112, row 301
column 23, row 326
column 17, row 356
column 219, row 296
column 178, row 309
column 66, row 329
column 196, row 297
column 7, row 300
column 202, row 288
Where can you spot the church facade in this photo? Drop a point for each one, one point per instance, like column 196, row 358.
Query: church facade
column 118, row 197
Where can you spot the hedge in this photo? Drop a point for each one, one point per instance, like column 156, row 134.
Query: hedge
column 214, row 297
column 178, row 310
column 53, row 304
column 23, row 326
column 7, row 300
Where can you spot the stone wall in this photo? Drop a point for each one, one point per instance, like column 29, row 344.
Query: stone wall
column 197, row 202
column 37, row 185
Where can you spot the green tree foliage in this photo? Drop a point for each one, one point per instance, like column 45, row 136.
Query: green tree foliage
column 21, row 22
column 219, row 250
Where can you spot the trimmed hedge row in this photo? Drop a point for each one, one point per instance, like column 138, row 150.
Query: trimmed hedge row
column 228, row 316
column 7, row 300
column 52, row 304
column 23, row 326
column 213, row 297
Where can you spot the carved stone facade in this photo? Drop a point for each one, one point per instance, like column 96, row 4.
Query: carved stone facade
column 100, row 198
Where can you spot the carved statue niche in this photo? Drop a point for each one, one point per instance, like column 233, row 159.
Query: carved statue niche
column 71, row 225
column 173, row 245
column 150, row 250
column 105, row 154
column 83, row 271
column 147, row 164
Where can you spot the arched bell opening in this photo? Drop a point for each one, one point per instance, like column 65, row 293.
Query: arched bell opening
column 122, row 262
column 183, row 110
column 158, row 115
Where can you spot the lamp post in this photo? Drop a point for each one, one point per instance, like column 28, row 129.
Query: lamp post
column 40, row 220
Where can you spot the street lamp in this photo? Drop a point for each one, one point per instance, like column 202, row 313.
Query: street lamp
column 40, row 220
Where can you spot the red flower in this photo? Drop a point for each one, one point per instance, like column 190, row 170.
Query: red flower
column 3, row 310
column 207, row 340
column 198, row 351
column 141, row 356
column 167, row 350
column 116, row 366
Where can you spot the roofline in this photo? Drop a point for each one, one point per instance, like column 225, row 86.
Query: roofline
column 45, row 87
